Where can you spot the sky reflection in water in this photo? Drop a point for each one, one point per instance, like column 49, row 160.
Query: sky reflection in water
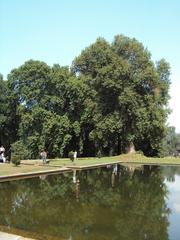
column 173, row 203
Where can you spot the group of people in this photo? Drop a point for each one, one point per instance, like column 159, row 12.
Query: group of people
column 43, row 155
column 2, row 156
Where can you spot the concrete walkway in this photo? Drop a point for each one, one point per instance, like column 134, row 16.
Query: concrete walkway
column 7, row 236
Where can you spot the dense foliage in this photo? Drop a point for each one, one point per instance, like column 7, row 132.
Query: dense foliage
column 171, row 143
column 113, row 99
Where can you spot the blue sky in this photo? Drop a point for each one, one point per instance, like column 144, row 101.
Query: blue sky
column 55, row 31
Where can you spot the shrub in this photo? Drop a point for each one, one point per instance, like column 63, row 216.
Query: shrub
column 15, row 160
column 99, row 155
column 71, row 156
column 19, row 152
column 140, row 152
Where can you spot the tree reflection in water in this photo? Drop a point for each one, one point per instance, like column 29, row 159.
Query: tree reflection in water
column 117, row 202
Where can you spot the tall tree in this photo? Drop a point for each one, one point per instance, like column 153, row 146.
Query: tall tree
column 129, row 86
column 50, row 104
column 112, row 100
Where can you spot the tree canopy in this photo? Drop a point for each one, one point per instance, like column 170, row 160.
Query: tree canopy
column 111, row 100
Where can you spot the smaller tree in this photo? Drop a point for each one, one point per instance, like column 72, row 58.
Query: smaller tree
column 171, row 143
column 19, row 152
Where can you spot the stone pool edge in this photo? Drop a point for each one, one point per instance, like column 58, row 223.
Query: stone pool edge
column 70, row 168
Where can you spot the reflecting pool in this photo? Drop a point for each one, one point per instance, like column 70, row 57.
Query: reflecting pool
column 111, row 203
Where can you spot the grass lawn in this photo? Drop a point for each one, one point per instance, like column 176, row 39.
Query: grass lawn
column 124, row 158
column 31, row 166
column 10, row 169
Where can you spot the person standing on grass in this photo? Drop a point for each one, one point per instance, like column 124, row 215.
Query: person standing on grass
column 43, row 156
column 2, row 151
column 75, row 155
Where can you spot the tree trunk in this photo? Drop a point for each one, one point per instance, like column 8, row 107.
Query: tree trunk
column 130, row 148
column 119, row 150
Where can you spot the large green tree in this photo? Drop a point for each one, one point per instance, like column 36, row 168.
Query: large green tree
column 8, row 115
column 50, row 105
column 132, row 94
column 113, row 99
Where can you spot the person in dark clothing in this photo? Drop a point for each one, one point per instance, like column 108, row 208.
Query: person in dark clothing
column 9, row 154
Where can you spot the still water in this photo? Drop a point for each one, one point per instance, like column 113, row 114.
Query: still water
column 112, row 203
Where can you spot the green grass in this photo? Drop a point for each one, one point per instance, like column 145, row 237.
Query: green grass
column 10, row 169
column 31, row 166
column 125, row 158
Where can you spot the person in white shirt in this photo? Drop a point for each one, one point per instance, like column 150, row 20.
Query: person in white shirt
column 75, row 155
column 2, row 150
